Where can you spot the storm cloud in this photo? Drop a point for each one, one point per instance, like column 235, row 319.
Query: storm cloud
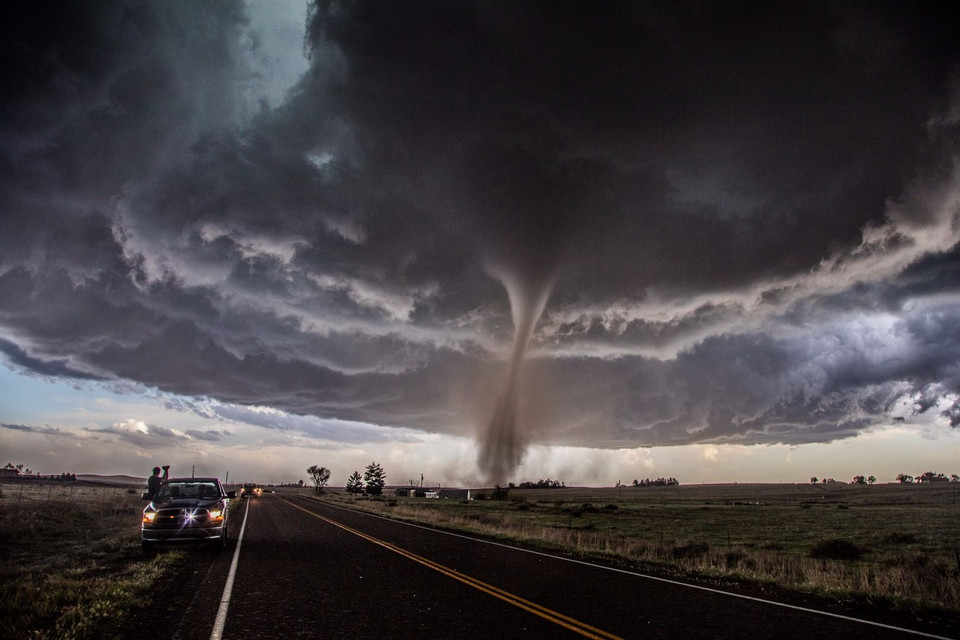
column 718, row 222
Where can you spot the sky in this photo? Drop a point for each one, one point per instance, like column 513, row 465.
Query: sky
column 480, row 242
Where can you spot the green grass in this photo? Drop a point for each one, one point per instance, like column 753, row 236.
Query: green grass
column 70, row 561
column 895, row 545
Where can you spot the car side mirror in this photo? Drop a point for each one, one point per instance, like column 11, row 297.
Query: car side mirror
column 145, row 496
column 231, row 494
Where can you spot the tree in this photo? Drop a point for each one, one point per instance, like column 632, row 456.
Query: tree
column 904, row 478
column 814, row 480
column 872, row 479
column 354, row 483
column 320, row 476
column 659, row 482
column 858, row 480
column 374, row 477
column 545, row 484
column 930, row 476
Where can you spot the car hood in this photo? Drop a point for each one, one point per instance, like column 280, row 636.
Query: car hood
column 185, row 503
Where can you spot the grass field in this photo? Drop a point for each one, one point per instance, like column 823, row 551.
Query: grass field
column 893, row 545
column 71, row 564
column 70, row 560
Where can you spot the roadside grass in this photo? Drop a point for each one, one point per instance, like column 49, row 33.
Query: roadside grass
column 897, row 546
column 70, row 561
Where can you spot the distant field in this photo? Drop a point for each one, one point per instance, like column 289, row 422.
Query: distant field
column 891, row 543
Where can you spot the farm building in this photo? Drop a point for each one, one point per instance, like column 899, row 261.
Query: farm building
column 420, row 492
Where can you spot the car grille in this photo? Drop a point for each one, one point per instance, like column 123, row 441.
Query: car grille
column 181, row 516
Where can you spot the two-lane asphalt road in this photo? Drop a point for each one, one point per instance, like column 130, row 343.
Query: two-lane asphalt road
column 305, row 569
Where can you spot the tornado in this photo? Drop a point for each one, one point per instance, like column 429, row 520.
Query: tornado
column 502, row 444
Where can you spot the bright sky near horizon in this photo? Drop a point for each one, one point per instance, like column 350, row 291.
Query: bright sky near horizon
column 256, row 236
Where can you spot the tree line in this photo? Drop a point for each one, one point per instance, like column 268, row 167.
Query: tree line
column 659, row 482
column 539, row 484
column 926, row 477
column 65, row 477
column 371, row 483
column 903, row 478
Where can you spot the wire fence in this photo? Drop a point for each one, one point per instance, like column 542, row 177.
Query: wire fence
column 20, row 491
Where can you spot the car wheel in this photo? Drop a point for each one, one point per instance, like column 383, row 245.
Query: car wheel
column 221, row 542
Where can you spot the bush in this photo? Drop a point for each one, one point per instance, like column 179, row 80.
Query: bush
column 737, row 558
column 836, row 549
column 691, row 550
column 901, row 538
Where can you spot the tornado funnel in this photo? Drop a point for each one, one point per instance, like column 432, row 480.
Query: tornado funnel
column 502, row 442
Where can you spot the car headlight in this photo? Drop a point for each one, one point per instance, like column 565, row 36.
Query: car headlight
column 216, row 514
column 148, row 516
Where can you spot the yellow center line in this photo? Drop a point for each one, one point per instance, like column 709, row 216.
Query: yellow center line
column 532, row 607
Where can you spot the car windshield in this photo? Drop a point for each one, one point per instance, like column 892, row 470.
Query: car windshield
column 188, row 490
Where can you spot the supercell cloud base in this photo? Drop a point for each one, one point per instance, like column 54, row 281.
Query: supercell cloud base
column 486, row 239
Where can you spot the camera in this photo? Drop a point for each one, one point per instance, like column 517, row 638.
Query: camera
column 165, row 467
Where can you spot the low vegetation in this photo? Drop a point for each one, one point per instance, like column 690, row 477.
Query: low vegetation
column 895, row 545
column 71, row 564
column 70, row 561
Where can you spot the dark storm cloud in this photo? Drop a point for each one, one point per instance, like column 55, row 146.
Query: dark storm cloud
column 211, row 435
column 737, row 219
column 55, row 368
column 45, row 430
column 320, row 429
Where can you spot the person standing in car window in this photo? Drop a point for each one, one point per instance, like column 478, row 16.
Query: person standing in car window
column 154, row 481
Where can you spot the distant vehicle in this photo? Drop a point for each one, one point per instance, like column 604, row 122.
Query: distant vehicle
column 250, row 490
column 187, row 510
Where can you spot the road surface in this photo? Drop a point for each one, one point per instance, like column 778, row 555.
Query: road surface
column 306, row 569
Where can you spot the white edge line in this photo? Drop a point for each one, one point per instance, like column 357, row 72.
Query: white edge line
column 650, row 577
column 228, row 587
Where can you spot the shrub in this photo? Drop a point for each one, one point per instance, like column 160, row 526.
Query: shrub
column 901, row 538
column 737, row 558
column 691, row 550
column 836, row 549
